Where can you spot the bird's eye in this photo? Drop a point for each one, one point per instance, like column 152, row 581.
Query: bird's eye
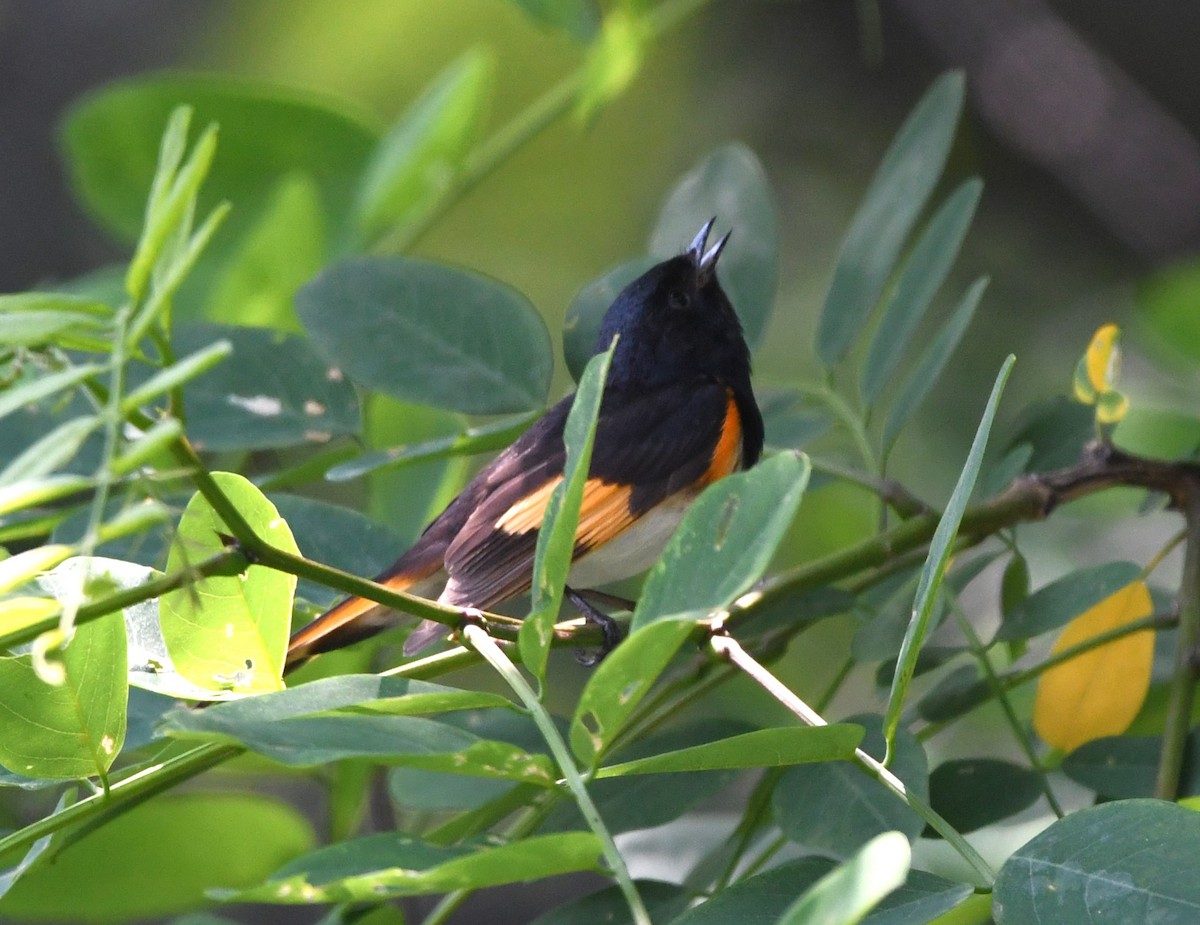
column 678, row 299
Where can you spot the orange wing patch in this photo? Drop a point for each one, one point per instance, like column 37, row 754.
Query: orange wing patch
column 603, row 514
column 727, row 454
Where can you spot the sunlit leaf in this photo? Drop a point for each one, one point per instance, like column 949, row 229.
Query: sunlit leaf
column 1097, row 693
column 614, row 59
column 229, row 633
column 578, row 18
column 74, row 729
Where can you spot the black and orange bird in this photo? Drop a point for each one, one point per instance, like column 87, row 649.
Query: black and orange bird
column 678, row 413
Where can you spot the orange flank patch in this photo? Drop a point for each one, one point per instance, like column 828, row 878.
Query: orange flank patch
column 727, row 454
column 528, row 513
column 604, row 513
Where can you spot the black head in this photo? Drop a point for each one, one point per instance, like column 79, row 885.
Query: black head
column 676, row 321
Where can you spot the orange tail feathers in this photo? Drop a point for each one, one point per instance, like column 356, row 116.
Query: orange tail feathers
column 350, row 621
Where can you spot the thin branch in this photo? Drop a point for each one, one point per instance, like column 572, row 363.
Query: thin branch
column 1187, row 662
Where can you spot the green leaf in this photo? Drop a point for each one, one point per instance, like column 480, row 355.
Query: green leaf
column 731, row 184
column 845, row 895
column 357, row 694
column 421, row 156
column 183, row 844
column 556, row 538
column 429, row 333
column 282, row 250
column 898, row 192
column 229, row 633
column 791, row 418
column 1167, row 299
column 1061, row 601
column 761, row 899
column 664, row 902
column 630, row 803
column 30, row 493
column 339, row 537
column 581, row 327
column 941, row 547
column 474, row 440
column 18, row 569
column 834, row 807
column 380, row 867
column 1014, row 585
column 74, row 729
column 620, row 682
column 953, row 695
column 412, row 741
column 111, row 140
column 613, row 60
column 762, row 748
column 1122, row 767
column 929, row 367
column 580, row 19
column 922, row 276
column 970, row 793
column 30, row 319
column 725, row 541
column 18, row 615
column 275, row 391
column 1129, row 861
column 175, row 375
column 35, row 390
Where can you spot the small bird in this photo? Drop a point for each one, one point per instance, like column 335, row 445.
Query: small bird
column 678, row 413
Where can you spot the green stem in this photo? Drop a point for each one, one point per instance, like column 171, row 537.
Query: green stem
column 1187, row 666
column 229, row 562
column 727, row 648
column 979, row 651
column 494, row 655
column 527, row 125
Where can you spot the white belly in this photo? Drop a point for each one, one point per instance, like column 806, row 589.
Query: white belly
column 633, row 551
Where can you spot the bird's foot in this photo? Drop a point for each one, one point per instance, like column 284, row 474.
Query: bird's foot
column 609, row 628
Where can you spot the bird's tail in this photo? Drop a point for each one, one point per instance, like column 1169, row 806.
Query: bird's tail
column 356, row 618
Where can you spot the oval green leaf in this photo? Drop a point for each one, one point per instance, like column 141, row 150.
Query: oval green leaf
column 581, row 327
column 731, row 184
column 71, row 730
column 970, row 793
column 1129, row 861
column 725, row 541
column 428, row 333
column 1061, row 601
column 229, row 633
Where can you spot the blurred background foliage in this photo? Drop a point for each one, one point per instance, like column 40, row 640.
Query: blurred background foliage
column 1081, row 119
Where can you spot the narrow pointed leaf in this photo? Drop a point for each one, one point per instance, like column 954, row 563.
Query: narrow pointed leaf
column 380, row 867
column 556, row 538
column 35, row 390
column 920, row 279
column 929, row 367
column 940, row 549
column 787, row 745
column 897, row 194
column 421, row 156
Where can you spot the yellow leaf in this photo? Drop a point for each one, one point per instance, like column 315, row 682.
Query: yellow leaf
column 1099, row 692
column 1104, row 357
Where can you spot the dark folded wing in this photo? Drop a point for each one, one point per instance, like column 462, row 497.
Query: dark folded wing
column 649, row 446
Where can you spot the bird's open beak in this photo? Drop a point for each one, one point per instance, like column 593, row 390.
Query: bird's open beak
column 706, row 261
